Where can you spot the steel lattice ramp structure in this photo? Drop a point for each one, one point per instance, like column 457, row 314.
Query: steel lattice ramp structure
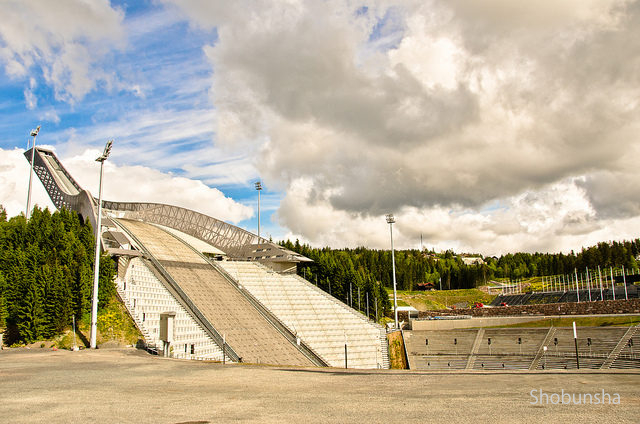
column 219, row 315
column 61, row 187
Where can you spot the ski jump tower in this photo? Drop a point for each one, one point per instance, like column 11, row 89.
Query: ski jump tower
column 230, row 294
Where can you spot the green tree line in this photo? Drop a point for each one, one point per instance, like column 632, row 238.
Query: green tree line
column 46, row 273
column 605, row 254
column 371, row 269
column 340, row 271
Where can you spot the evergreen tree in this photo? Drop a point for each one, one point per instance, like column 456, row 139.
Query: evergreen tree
column 3, row 302
column 46, row 273
column 30, row 313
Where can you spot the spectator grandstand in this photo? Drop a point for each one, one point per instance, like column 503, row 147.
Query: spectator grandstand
column 319, row 319
column 536, row 298
column 523, row 348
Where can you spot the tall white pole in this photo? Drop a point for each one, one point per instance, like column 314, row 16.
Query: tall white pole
column 589, row 284
column 259, row 188
column 624, row 281
column 393, row 266
column 34, row 133
column 613, row 283
column 391, row 220
column 601, row 289
column 577, row 288
column 96, row 267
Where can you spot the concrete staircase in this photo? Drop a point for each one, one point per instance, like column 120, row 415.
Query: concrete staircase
column 624, row 340
column 145, row 297
column 474, row 349
column 541, row 352
column 149, row 341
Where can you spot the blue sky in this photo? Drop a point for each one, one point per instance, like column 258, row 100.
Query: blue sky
column 484, row 127
column 157, row 108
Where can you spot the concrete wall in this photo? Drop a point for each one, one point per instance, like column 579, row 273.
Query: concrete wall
column 631, row 306
column 441, row 324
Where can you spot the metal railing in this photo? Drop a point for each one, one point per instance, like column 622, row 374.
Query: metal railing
column 182, row 298
column 282, row 328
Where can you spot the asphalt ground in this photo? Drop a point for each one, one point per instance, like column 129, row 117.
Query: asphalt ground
column 129, row 386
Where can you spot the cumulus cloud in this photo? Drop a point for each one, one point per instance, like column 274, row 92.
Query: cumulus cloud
column 435, row 110
column 121, row 183
column 64, row 40
column 558, row 217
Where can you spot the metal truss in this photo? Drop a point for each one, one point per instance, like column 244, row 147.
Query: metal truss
column 61, row 187
column 230, row 239
column 60, row 198
column 236, row 242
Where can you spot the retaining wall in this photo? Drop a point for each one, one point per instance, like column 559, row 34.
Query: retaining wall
column 631, row 306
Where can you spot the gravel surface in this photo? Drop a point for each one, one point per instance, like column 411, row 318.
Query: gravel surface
column 40, row 385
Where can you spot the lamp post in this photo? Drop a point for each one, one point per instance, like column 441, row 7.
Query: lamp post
column 391, row 220
column 34, row 133
column 259, row 188
column 96, row 268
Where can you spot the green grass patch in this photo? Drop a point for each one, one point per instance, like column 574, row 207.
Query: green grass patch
column 440, row 299
column 588, row 321
column 115, row 324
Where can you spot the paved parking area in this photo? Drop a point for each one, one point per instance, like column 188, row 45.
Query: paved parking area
column 129, row 386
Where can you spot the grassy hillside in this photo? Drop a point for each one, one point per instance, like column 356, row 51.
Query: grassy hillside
column 115, row 327
column 440, row 299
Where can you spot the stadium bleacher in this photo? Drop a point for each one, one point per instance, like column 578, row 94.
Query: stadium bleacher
column 536, row 298
column 523, row 348
column 319, row 319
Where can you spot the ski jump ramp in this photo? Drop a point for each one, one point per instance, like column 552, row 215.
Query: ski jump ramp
column 235, row 296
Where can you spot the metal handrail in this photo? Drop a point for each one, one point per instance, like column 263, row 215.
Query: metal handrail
column 306, row 350
column 182, row 297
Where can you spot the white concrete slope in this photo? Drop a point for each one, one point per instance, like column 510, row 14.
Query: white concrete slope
column 146, row 298
column 320, row 320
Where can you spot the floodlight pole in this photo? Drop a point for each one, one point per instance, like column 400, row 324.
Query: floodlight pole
column 96, row 267
column 258, row 188
column 391, row 220
column 34, row 133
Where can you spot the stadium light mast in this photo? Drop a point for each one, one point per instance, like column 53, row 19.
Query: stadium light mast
column 96, row 268
column 34, row 133
column 259, row 189
column 391, row 220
